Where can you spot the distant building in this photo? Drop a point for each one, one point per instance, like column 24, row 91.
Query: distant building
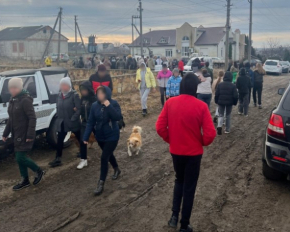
column 186, row 40
column 29, row 42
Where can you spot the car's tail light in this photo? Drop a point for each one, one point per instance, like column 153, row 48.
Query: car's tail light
column 279, row 158
column 276, row 127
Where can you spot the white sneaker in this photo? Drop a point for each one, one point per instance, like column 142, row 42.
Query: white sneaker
column 82, row 164
column 227, row 132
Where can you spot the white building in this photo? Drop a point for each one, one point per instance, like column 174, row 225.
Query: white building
column 185, row 40
column 29, row 42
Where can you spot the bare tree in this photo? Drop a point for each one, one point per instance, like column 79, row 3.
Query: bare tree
column 273, row 45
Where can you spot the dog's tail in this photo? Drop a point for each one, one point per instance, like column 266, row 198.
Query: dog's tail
column 137, row 129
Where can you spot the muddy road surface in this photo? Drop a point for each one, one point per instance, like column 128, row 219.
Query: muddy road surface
column 232, row 194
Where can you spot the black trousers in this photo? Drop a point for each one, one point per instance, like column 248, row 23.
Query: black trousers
column 162, row 94
column 83, row 147
column 181, row 73
column 187, row 173
column 60, row 138
column 108, row 149
column 250, row 93
column 258, row 89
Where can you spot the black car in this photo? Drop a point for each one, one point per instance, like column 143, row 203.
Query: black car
column 276, row 148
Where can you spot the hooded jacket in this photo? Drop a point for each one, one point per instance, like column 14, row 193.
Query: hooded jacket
column 104, row 120
column 194, row 127
column 149, row 78
column 21, row 107
column 258, row 78
column 226, row 93
column 163, row 77
column 173, row 86
column 97, row 81
column 87, row 101
column 205, row 85
column 180, row 65
column 243, row 82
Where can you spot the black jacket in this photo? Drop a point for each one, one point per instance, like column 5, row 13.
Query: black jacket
column 68, row 111
column 258, row 78
column 21, row 122
column 243, row 84
column 87, row 101
column 226, row 93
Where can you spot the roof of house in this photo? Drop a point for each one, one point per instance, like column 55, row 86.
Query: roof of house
column 211, row 35
column 20, row 72
column 19, row 33
column 153, row 38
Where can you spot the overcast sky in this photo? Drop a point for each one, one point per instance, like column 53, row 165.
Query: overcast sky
column 110, row 20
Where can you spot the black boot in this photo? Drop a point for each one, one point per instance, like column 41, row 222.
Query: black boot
column 56, row 162
column 39, row 174
column 100, row 188
column 188, row 229
column 219, row 130
column 144, row 112
column 215, row 119
column 117, row 172
column 173, row 222
column 23, row 184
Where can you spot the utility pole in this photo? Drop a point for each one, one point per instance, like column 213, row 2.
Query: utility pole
column 141, row 29
column 227, row 34
column 81, row 38
column 250, row 32
column 132, row 35
column 76, row 35
column 59, row 35
column 51, row 34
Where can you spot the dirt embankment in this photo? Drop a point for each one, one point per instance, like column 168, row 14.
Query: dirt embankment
column 232, row 194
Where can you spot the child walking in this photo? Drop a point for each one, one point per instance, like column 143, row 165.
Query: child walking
column 243, row 86
column 173, row 84
column 214, row 87
column 21, row 124
column 226, row 96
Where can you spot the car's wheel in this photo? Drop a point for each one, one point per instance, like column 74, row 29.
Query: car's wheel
column 51, row 136
column 271, row 173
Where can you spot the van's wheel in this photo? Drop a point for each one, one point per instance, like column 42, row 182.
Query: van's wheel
column 51, row 136
column 271, row 173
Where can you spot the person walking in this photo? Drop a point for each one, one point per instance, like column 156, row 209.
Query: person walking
column 48, row 61
column 121, row 64
column 181, row 67
column 209, row 70
column 195, row 66
column 151, row 63
column 258, row 84
column 250, row 73
column 187, row 128
column 101, row 77
column 162, row 79
column 104, row 117
column 87, row 99
column 21, row 125
column 173, row 84
column 226, row 96
column 234, row 70
column 97, row 62
column 214, row 87
column 146, row 81
column 158, row 61
column 243, row 85
column 68, row 107
column 204, row 90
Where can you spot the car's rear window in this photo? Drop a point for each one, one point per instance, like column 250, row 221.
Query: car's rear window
column 286, row 102
column 271, row 63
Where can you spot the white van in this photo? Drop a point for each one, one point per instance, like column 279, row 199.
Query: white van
column 187, row 67
column 43, row 87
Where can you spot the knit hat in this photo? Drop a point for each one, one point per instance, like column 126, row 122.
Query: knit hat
column 176, row 70
column 66, row 81
column 102, row 68
column 15, row 82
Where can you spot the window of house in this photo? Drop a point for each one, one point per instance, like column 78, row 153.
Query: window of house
column 21, row 47
column 168, row 52
column 185, row 51
column 14, row 47
column 185, row 38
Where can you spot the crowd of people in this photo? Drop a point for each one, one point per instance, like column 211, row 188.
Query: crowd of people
column 185, row 121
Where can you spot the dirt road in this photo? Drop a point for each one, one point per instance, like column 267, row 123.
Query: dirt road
column 232, row 194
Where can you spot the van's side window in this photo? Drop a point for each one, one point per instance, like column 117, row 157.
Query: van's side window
column 28, row 84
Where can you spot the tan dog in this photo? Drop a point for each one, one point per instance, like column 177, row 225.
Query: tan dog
column 134, row 143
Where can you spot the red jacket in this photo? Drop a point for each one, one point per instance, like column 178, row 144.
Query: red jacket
column 180, row 65
column 186, row 124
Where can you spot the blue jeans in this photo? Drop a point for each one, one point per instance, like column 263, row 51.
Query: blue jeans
column 205, row 98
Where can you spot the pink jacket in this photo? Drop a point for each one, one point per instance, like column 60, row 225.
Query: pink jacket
column 163, row 77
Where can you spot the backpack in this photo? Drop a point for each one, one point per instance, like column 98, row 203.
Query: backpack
column 258, row 78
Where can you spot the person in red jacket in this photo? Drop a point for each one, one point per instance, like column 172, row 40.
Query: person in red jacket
column 101, row 78
column 187, row 128
column 181, row 67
